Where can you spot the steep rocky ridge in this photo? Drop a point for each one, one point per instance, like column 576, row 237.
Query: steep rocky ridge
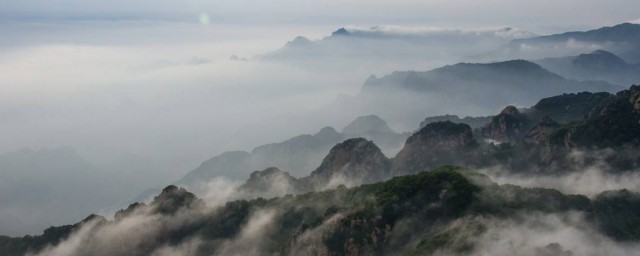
column 354, row 161
column 434, row 145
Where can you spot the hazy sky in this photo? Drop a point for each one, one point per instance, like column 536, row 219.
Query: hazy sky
column 543, row 14
column 76, row 72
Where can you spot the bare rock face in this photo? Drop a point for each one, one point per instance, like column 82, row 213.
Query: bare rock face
column 539, row 133
column 437, row 144
column 634, row 96
column 508, row 126
column 353, row 161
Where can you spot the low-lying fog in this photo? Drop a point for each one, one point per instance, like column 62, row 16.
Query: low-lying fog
column 141, row 102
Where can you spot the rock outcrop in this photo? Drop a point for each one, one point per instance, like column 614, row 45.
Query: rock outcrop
column 437, row 144
column 474, row 122
column 270, row 182
column 508, row 126
column 173, row 198
column 539, row 133
column 353, row 161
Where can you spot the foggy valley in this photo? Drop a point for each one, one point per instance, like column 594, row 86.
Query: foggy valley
column 319, row 128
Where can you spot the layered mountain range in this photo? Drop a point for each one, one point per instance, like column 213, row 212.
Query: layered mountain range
column 508, row 66
column 442, row 189
column 411, row 205
column 420, row 45
column 504, row 82
column 297, row 155
column 597, row 65
column 620, row 39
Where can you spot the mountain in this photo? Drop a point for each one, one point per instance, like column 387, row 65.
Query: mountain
column 539, row 139
column 422, row 205
column 621, row 39
column 518, row 81
column 597, row 65
column 374, row 128
column 611, row 125
column 434, row 145
column 541, row 130
column 568, row 107
column 449, row 210
column 367, row 124
column 621, row 33
column 270, row 182
column 383, row 48
column 295, row 156
column 351, row 162
column 509, row 125
column 354, row 161
column 473, row 122
column 526, row 140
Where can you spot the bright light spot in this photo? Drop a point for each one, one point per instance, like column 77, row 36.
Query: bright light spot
column 204, row 19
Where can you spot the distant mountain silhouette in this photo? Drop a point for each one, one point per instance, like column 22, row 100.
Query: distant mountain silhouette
column 396, row 46
column 621, row 33
column 491, row 85
column 296, row 156
column 622, row 39
column 597, row 65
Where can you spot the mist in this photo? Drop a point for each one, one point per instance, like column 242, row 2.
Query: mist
column 540, row 234
column 103, row 102
column 590, row 175
column 147, row 108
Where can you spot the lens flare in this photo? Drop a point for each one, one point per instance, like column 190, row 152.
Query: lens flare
column 204, row 19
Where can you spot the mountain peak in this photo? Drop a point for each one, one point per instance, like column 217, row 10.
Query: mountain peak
column 507, row 126
column 516, row 64
column 603, row 53
column 510, row 110
column 173, row 198
column 327, row 132
column 299, row 41
column 94, row 217
column 367, row 124
column 266, row 172
column 599, row 60
column 270, row 182
column 356, row 160
column 443, row 130
column 437, row 144
column 502, row 68
column 340, row 32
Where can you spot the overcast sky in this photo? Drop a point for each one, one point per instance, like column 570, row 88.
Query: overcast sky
column 541, row 15
column 60, row 59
